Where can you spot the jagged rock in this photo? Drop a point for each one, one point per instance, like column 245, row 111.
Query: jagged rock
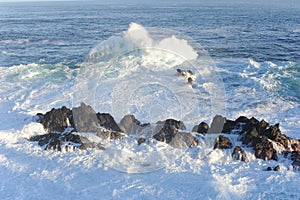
column 169, row 130
column 109, row 134
column 222, row 142
column 183, row 139
column 141, row 140
column 55, row 141
column 130, row 125
column 201, row 128
column 264, row 150
column 245, row 124
column 108, row 122
column 239, row 154
column 85, row 119
column 57, row 120
column 217, row 124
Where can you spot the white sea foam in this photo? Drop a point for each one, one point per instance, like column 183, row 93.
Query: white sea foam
column 127, row 65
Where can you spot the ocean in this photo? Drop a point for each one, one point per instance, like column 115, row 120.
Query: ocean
column 121, row 57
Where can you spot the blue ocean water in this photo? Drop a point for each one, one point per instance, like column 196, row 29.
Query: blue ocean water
column 256, row 47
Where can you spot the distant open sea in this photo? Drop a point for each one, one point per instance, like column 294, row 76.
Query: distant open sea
column 256, row 47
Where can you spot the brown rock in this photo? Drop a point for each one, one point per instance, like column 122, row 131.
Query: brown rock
column 222, row 142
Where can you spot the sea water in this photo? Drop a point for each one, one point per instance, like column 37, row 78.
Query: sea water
column 121, row 58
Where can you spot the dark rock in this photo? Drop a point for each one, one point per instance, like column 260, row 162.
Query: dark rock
column 217, row 124
column 250, row 138
column 57, row 120
column 56, row 140
column 296, row 147
column 108, row 122
column 201, row 128
column 269, row 169
column 262, row 126
column 222, row 142
column 265, row 150
column 277, row 168
column 229, row 125
column 169, row 130
column 85, row 119
column 243, row 124
column 295, row 157
column 239, row 154
column 141, row 140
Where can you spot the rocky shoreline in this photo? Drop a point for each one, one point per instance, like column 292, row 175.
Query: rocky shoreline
column 266, row 141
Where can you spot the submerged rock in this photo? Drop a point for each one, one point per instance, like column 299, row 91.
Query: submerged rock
column 56, row 141
column 222, row 142
column 109, row 134
column 239, row 154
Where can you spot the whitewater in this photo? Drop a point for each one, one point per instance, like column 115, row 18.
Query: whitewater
column 133, row 71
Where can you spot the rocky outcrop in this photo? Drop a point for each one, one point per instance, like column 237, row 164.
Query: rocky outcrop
column 57, row 120
column 266, row 140
column 222, row 142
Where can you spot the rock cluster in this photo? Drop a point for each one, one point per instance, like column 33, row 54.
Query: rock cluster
column 266, row 140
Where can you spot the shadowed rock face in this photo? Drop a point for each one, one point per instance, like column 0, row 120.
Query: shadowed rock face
column 108, row 122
